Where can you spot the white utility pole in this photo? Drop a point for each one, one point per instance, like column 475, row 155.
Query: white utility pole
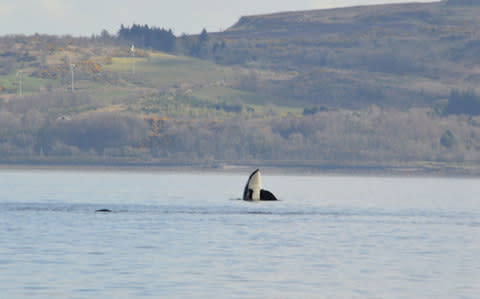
column 72, row 67
column 132, row 50
column 20, row 77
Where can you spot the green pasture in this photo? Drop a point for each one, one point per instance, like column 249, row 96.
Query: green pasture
column 236, row 96
column 230, row 95
column 29, row 84
column 260, row 103
column 167, row 70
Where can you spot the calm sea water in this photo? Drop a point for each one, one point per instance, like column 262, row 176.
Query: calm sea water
column 178, row 235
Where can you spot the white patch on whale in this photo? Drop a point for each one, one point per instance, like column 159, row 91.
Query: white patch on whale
column 253, row 190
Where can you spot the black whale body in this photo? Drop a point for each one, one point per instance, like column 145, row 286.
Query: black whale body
column 266, row 195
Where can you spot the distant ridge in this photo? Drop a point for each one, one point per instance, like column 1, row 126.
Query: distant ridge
column 337, row 15
column 462, row 2
column 353, row 14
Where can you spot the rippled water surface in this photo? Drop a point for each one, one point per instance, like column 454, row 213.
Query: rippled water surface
column 181, row 235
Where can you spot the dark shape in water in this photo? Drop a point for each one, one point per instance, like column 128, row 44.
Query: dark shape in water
column 103, row 211
column 253, row 190
column 267, row 195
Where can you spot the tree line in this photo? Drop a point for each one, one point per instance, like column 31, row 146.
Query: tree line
column 164, row 40
column 463, row 102
column 146, row 37
column 70, row 127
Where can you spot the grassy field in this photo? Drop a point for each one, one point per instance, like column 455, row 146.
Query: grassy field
column 230, row 95
column 29, row 84
column 165, row 70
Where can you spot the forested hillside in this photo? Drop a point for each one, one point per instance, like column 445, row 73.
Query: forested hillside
column 371, row 86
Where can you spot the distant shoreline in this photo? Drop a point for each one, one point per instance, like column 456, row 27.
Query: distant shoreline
column 296, row 169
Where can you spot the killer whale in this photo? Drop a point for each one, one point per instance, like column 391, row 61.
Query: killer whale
column 253, row 189
column 103, row 211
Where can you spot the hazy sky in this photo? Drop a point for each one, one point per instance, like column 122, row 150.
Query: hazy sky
column 86, row 17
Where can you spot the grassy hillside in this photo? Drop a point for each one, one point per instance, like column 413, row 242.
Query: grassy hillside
column 104, row 73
